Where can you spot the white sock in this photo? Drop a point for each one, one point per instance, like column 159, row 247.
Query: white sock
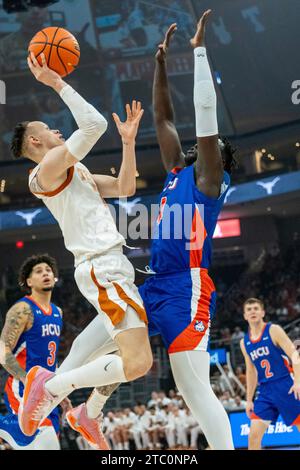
column 126, row 445
column 191, row 374
column 95, row 404
column 85, row 348
column 102, row 371
column 94, row 341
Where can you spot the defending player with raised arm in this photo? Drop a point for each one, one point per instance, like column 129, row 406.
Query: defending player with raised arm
column 30, row 337
column 268, row 353
column 197, row 180
column 103, row 274
column 210, row 154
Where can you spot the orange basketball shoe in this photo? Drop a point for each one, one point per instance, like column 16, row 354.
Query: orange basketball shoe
column 36, row 400
column 89, row 428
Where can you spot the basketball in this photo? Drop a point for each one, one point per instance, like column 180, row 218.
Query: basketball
column 61, row 49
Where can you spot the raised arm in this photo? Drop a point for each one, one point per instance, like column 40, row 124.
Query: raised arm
column 209, row 165
column 18, row 319
column 125, row 183
column 251, row 379
column 167, row 136
column 91, row 125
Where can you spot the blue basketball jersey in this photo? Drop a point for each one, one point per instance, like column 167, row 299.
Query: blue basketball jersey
column 270, row 361
column 186, row 223
column 37, row 346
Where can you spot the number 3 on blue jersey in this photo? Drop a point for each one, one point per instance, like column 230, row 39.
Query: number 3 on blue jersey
column 52, row 349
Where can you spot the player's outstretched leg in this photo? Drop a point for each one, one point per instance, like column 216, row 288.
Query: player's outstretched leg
column 191, row 374
column 42, row 388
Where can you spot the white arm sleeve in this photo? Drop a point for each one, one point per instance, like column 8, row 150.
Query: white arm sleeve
column 205, row 98
column 91, row 123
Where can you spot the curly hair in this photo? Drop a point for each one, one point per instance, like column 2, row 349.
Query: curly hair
column 227, row 152
column 17, row 142
column 28, row 265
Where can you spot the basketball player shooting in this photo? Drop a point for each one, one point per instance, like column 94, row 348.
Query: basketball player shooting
column 103, row 274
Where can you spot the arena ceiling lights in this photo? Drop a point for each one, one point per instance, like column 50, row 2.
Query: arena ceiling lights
column 13, row 6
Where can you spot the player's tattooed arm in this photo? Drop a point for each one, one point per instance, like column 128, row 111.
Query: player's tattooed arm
column 19, row 318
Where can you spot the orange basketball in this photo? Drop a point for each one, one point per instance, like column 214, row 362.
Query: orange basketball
column 61, row 49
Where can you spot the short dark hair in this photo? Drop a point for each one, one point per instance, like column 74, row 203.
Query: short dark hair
column 253, row 300
column 17, row 141
column 28, row 265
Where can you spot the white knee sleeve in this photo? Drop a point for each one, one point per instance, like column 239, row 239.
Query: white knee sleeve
column 93, row 341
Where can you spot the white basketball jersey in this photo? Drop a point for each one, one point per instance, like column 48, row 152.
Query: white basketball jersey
column 84, row 218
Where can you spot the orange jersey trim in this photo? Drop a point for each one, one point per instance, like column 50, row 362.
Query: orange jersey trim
column 48, row 313
column 189, row 338
column 139, row 310
column 14, row 403
column 110, row 308
column 176, row 170
column 296, row 422
column 61, row 187
column 197, row 239
column 253, row 341
column 46, row 422
column 254, row 416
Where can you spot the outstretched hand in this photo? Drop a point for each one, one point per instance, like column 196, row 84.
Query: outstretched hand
column 128, row 129
column 199, row 38
column 42, row 72
column 296, row 390
column 163, row 47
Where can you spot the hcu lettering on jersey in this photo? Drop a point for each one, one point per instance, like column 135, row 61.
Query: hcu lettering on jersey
column 50, row 330
column 263, row 351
